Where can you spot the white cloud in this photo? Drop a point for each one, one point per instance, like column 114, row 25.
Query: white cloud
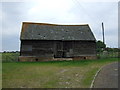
column 62, row 12
column 78, row 0
column 55, row 10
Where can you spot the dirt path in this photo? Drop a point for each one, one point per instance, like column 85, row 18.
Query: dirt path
column 107, row 77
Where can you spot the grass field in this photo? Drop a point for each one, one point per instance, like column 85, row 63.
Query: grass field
column 10, row 57
column 59, row 74
column 0, row 71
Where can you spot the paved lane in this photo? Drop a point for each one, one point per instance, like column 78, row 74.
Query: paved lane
column 107, row 77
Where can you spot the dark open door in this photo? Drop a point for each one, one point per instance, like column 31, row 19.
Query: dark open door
column 68, row 49
column 64, row 49
column 59, row 49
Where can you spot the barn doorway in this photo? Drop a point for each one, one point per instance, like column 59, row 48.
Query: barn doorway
column 59, row 49
column 64, row 49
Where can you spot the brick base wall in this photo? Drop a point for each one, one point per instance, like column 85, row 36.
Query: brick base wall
column 34, row 59
column 37, row 59
column 85, row 57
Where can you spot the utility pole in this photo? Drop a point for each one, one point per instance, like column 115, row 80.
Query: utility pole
column 103, row 33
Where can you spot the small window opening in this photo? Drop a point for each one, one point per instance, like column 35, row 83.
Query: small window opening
column 36, row 59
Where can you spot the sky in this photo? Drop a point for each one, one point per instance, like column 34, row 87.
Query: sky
column 58, row 12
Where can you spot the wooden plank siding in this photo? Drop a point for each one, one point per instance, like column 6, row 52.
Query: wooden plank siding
column 61, row 49
column 84, row 48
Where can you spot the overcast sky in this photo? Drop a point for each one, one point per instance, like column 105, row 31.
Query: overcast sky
column 58, row 12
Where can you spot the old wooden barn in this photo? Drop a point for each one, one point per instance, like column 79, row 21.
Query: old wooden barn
column 46, row 42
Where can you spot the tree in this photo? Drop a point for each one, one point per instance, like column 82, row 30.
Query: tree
column 100, row 45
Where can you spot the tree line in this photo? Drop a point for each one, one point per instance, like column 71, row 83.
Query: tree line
column 100, row 46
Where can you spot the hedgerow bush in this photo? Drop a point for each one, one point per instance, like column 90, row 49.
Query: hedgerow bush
column 10, row 56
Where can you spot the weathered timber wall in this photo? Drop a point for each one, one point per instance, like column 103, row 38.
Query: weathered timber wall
column 84, row 48
column 57, row 49
column 37, row 48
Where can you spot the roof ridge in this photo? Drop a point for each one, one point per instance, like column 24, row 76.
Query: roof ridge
column 55, row 24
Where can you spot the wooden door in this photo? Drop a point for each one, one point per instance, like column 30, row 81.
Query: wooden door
column 68, row 49
column 64, row 49
column 59, row 49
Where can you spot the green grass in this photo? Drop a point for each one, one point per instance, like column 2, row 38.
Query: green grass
column 89, row 76
column 107, row 54
column 53, row 74
column 0, row 71
column 10, row 57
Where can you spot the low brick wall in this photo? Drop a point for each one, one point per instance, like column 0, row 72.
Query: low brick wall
column 37, row 59
column 85, row 57
column 34, row 59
